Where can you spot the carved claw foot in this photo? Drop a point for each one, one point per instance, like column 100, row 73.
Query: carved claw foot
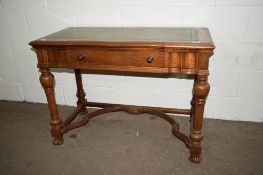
column 57, row 135
column 195, row 158
column 58, row 141
column 195, row 154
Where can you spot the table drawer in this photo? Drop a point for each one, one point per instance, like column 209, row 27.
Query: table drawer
column 113, row 57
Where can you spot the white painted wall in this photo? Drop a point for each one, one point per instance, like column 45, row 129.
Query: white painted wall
column 236, row 68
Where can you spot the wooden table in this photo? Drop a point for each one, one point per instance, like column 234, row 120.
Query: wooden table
column 159, row 51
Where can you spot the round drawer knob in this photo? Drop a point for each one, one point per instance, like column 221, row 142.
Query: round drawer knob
column 149, row 59
column 81, row 57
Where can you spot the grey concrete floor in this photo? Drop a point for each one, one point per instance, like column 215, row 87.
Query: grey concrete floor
column 122, row 144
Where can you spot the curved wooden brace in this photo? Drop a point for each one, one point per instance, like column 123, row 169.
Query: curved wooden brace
column 67, row 125
column 72, row 116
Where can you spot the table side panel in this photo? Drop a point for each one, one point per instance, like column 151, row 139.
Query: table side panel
column 189, row 61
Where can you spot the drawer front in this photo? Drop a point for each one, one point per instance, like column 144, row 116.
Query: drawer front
column 113, row 57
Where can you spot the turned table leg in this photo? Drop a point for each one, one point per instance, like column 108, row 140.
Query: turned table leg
column 47, row 81
column 192, row 108
column 192, row 103
column 80, row 91
column 200, row 92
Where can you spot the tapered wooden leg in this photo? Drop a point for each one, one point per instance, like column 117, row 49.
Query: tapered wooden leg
column 80, row 91
column 47, row 81
column 200, row 92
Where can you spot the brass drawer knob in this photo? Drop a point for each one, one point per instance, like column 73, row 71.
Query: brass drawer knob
column 81, row 57
column 149, row 59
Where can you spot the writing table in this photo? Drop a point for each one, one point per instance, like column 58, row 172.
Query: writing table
column 160, row 51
